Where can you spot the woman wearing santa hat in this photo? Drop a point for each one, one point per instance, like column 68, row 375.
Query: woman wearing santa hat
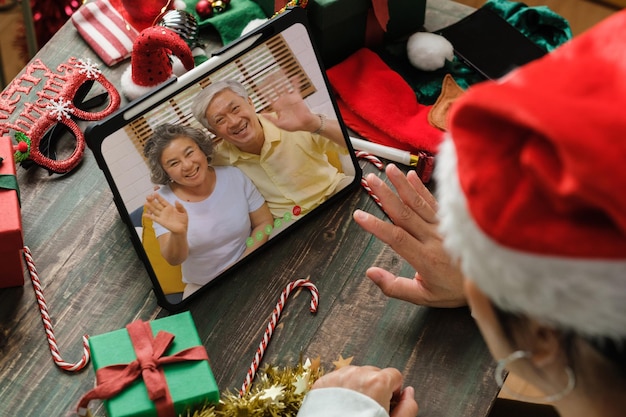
column 531, row 211
column 206, row 218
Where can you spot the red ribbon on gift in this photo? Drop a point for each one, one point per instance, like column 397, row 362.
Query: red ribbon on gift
column 376, row 24
column 113, row 379
column 381, row 11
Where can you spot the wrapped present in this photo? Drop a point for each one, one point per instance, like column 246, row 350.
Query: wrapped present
column 405, row 17
column 11, row 237
column 341, row 27
column 157, row 368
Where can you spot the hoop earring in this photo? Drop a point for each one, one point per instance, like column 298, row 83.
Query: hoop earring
column 520, row 354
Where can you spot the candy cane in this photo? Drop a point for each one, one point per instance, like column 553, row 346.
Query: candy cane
column 367, row 188
column 47, row 324
column 378, row 164
column 258, row 356
column 371, row 158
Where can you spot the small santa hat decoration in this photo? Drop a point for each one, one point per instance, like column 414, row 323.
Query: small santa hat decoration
column 158, row 54
column 531, row 181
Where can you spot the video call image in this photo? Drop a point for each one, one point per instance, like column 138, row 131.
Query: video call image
column 267, row 141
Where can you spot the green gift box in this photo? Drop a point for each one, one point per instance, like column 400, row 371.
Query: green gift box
column 188, row 376
column 405, row 17
column 338, row 27
column 341, row 27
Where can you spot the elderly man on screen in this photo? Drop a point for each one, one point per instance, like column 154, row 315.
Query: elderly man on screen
column 284, row 153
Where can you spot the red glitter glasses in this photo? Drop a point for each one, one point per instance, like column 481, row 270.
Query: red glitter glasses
column 52, row 102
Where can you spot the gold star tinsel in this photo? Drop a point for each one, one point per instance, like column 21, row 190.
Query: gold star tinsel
column 277, row 392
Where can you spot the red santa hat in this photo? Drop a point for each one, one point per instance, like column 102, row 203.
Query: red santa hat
column 531, row 181
column 158, row 54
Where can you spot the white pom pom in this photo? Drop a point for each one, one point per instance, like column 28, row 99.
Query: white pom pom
column 179, row 5
column 428, row 51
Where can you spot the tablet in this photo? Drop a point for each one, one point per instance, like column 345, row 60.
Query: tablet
column 489, row 44
column 255, row 193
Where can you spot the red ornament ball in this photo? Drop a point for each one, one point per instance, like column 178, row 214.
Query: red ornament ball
column 204, row 8
column 22, row 147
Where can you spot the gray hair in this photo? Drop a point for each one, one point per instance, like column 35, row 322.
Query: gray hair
column 203, row 98
column 161, row 137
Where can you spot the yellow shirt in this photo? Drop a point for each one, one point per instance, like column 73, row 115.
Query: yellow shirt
column 292, row 172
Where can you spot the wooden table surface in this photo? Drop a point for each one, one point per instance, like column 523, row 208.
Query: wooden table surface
column 94, row 283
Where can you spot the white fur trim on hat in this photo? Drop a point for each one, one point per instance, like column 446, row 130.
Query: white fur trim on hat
column 584, row 295
column 133, row 91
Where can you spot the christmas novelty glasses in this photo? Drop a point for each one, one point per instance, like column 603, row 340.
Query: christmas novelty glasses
column 57, row 98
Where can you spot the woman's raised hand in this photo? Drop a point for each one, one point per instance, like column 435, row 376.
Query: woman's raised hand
column 438, row 281
column 173, row 217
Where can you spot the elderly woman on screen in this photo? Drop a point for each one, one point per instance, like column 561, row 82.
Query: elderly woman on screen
column 205, row 218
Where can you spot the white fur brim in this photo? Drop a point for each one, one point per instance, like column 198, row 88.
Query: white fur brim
column 587, row 296
column 133, row 91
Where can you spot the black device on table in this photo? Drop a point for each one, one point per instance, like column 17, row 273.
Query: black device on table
column 489, row 44
column 280, row 47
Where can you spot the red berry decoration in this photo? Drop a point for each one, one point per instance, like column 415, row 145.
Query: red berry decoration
column 22, row 147
column 204, row 8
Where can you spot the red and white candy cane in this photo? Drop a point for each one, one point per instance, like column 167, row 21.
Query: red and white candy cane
column 258, row 356
column 371, row 158
column 47, row 323
column 367, row 188
column 378, row 164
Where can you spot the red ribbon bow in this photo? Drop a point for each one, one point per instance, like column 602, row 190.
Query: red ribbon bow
column 113, row 379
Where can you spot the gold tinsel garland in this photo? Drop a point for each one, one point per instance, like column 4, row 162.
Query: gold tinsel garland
column 277, row 392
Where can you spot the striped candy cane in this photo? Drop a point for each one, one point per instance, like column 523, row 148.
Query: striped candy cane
column 378, row 164
column 367, row 188
column 258, row 356
column 47, row 323
column 371, row 158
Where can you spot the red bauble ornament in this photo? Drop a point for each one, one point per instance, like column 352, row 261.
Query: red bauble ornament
column 204, row 8
column 143, row 12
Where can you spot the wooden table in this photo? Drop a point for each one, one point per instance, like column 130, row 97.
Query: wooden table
column 94, row 283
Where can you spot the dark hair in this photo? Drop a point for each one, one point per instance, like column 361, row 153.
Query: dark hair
column 162, row 136
column 614, row 351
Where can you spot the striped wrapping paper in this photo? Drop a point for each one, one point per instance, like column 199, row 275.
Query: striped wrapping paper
column 105, row 30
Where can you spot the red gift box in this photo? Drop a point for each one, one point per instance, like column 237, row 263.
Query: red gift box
column 11, row 238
